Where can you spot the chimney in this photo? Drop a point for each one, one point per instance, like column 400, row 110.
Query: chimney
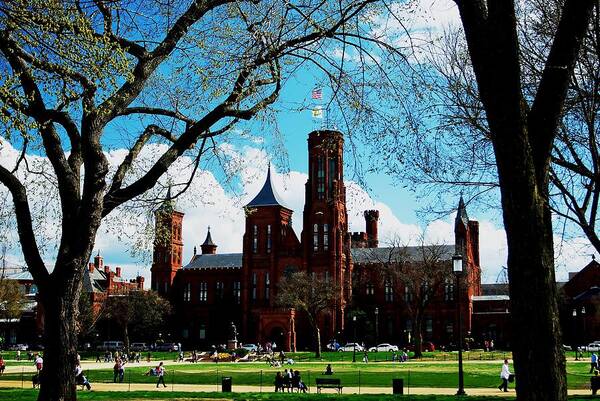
column 91, row 267
column 98, row 261
column 140, row 282
column 106, row 269
column 371, row 219
column 118, row 271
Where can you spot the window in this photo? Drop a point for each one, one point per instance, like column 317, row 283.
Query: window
column 202, row 332
column 187, row 292
column 166, row 287
column 429, row 326
column 425, row 291
column 450, row 328
column 269, row 238
column 408, row 296
column 389, row 291
column 331, row 176
column 327, row 277
column 185, row 333
column 237, row 292
column 325, row 237
column 219, row 289
column 316, row 238
column 203, row 292
column 370, row 289
column 267, row 286
column 320, row 178
column 449, row 291
column 254, row 280
column 255, row 238
column 408, row 325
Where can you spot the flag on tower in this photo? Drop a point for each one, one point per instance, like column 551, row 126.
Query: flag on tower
column 317, row 112
column 317, row 93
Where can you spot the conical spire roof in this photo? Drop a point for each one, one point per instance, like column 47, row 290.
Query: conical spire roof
column 208, row 241
column 267, row 195
column 461, row 214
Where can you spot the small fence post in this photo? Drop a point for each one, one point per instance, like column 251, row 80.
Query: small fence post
column 358, row 381
column 217, row 381
column 173, row 380
column 308, row 385
column 261, row 380
column 129, row 379
column 22, row 384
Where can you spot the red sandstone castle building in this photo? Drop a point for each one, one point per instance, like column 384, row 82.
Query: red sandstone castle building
column 213, row 290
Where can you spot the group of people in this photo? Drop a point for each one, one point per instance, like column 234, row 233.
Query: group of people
column 290, row 381
column 124, row 356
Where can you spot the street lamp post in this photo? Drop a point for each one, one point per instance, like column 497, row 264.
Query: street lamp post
column 457, row 267
column 376, row 327
column 354, row 343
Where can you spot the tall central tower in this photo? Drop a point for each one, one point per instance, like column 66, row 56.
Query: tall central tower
column 325, row 241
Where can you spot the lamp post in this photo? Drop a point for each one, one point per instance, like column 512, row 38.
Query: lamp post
column 457, row 267
column 376, row 327
column 354, row 343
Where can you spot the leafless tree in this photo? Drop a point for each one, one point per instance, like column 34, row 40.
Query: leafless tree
column 310, row 295
column 176, row 75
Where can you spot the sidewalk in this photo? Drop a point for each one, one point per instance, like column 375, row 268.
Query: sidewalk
column 256, row 389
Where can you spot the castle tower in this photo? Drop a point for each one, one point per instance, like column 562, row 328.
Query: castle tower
column 325, row 240
column 168, row 246
column 270, row 245
column 371, row 219
column 208, row 246
column 466, row 243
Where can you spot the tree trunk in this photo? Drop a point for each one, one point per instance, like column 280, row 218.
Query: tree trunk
column 536, row 331
column 318, row 337
column 418, row 335
column 126, row 337
column 57, row 380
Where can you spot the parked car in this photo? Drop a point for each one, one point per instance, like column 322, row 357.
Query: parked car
column 138, row 347
column 110, row 346
column 350, row 347
column 385, row 347
column 333, row 346
column 593, row 347
column 250, row 347
column 19, row 347
column 168, row 347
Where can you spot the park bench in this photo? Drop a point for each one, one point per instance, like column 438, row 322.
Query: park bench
column 328, row 383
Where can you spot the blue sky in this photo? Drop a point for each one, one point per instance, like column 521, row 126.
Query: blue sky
column 213, row 202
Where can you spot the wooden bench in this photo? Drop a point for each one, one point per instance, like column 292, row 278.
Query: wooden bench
column 328, row 383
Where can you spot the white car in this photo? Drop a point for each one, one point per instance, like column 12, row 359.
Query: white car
column 351, row 347
column 593, row 347
column 385, row 347
column 250, row 347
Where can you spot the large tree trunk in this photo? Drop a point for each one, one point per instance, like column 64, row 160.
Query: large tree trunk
column 318, row 345
column 60, row 337
column 536, row 336
column 418, row 335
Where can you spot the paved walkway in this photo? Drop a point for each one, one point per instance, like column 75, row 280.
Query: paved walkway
column 255, row 389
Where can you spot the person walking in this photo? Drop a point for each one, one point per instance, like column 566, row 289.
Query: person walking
column 504, row 375
column 593, row 362
column 160, row 372
column 39, row 362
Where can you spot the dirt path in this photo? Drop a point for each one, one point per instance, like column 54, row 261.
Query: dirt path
column 255, row 389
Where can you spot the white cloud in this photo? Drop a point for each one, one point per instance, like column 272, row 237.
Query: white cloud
column 209, row 203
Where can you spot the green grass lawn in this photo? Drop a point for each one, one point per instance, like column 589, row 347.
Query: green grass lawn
column 415, row 374
column 31, row 395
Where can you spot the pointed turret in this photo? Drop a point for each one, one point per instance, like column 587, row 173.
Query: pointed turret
column 208, row 247
column 267, row 195
column 461, row 214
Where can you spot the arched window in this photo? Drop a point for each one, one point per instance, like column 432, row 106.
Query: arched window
column 325, row 237
column 269, row 238
column 316, row 238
